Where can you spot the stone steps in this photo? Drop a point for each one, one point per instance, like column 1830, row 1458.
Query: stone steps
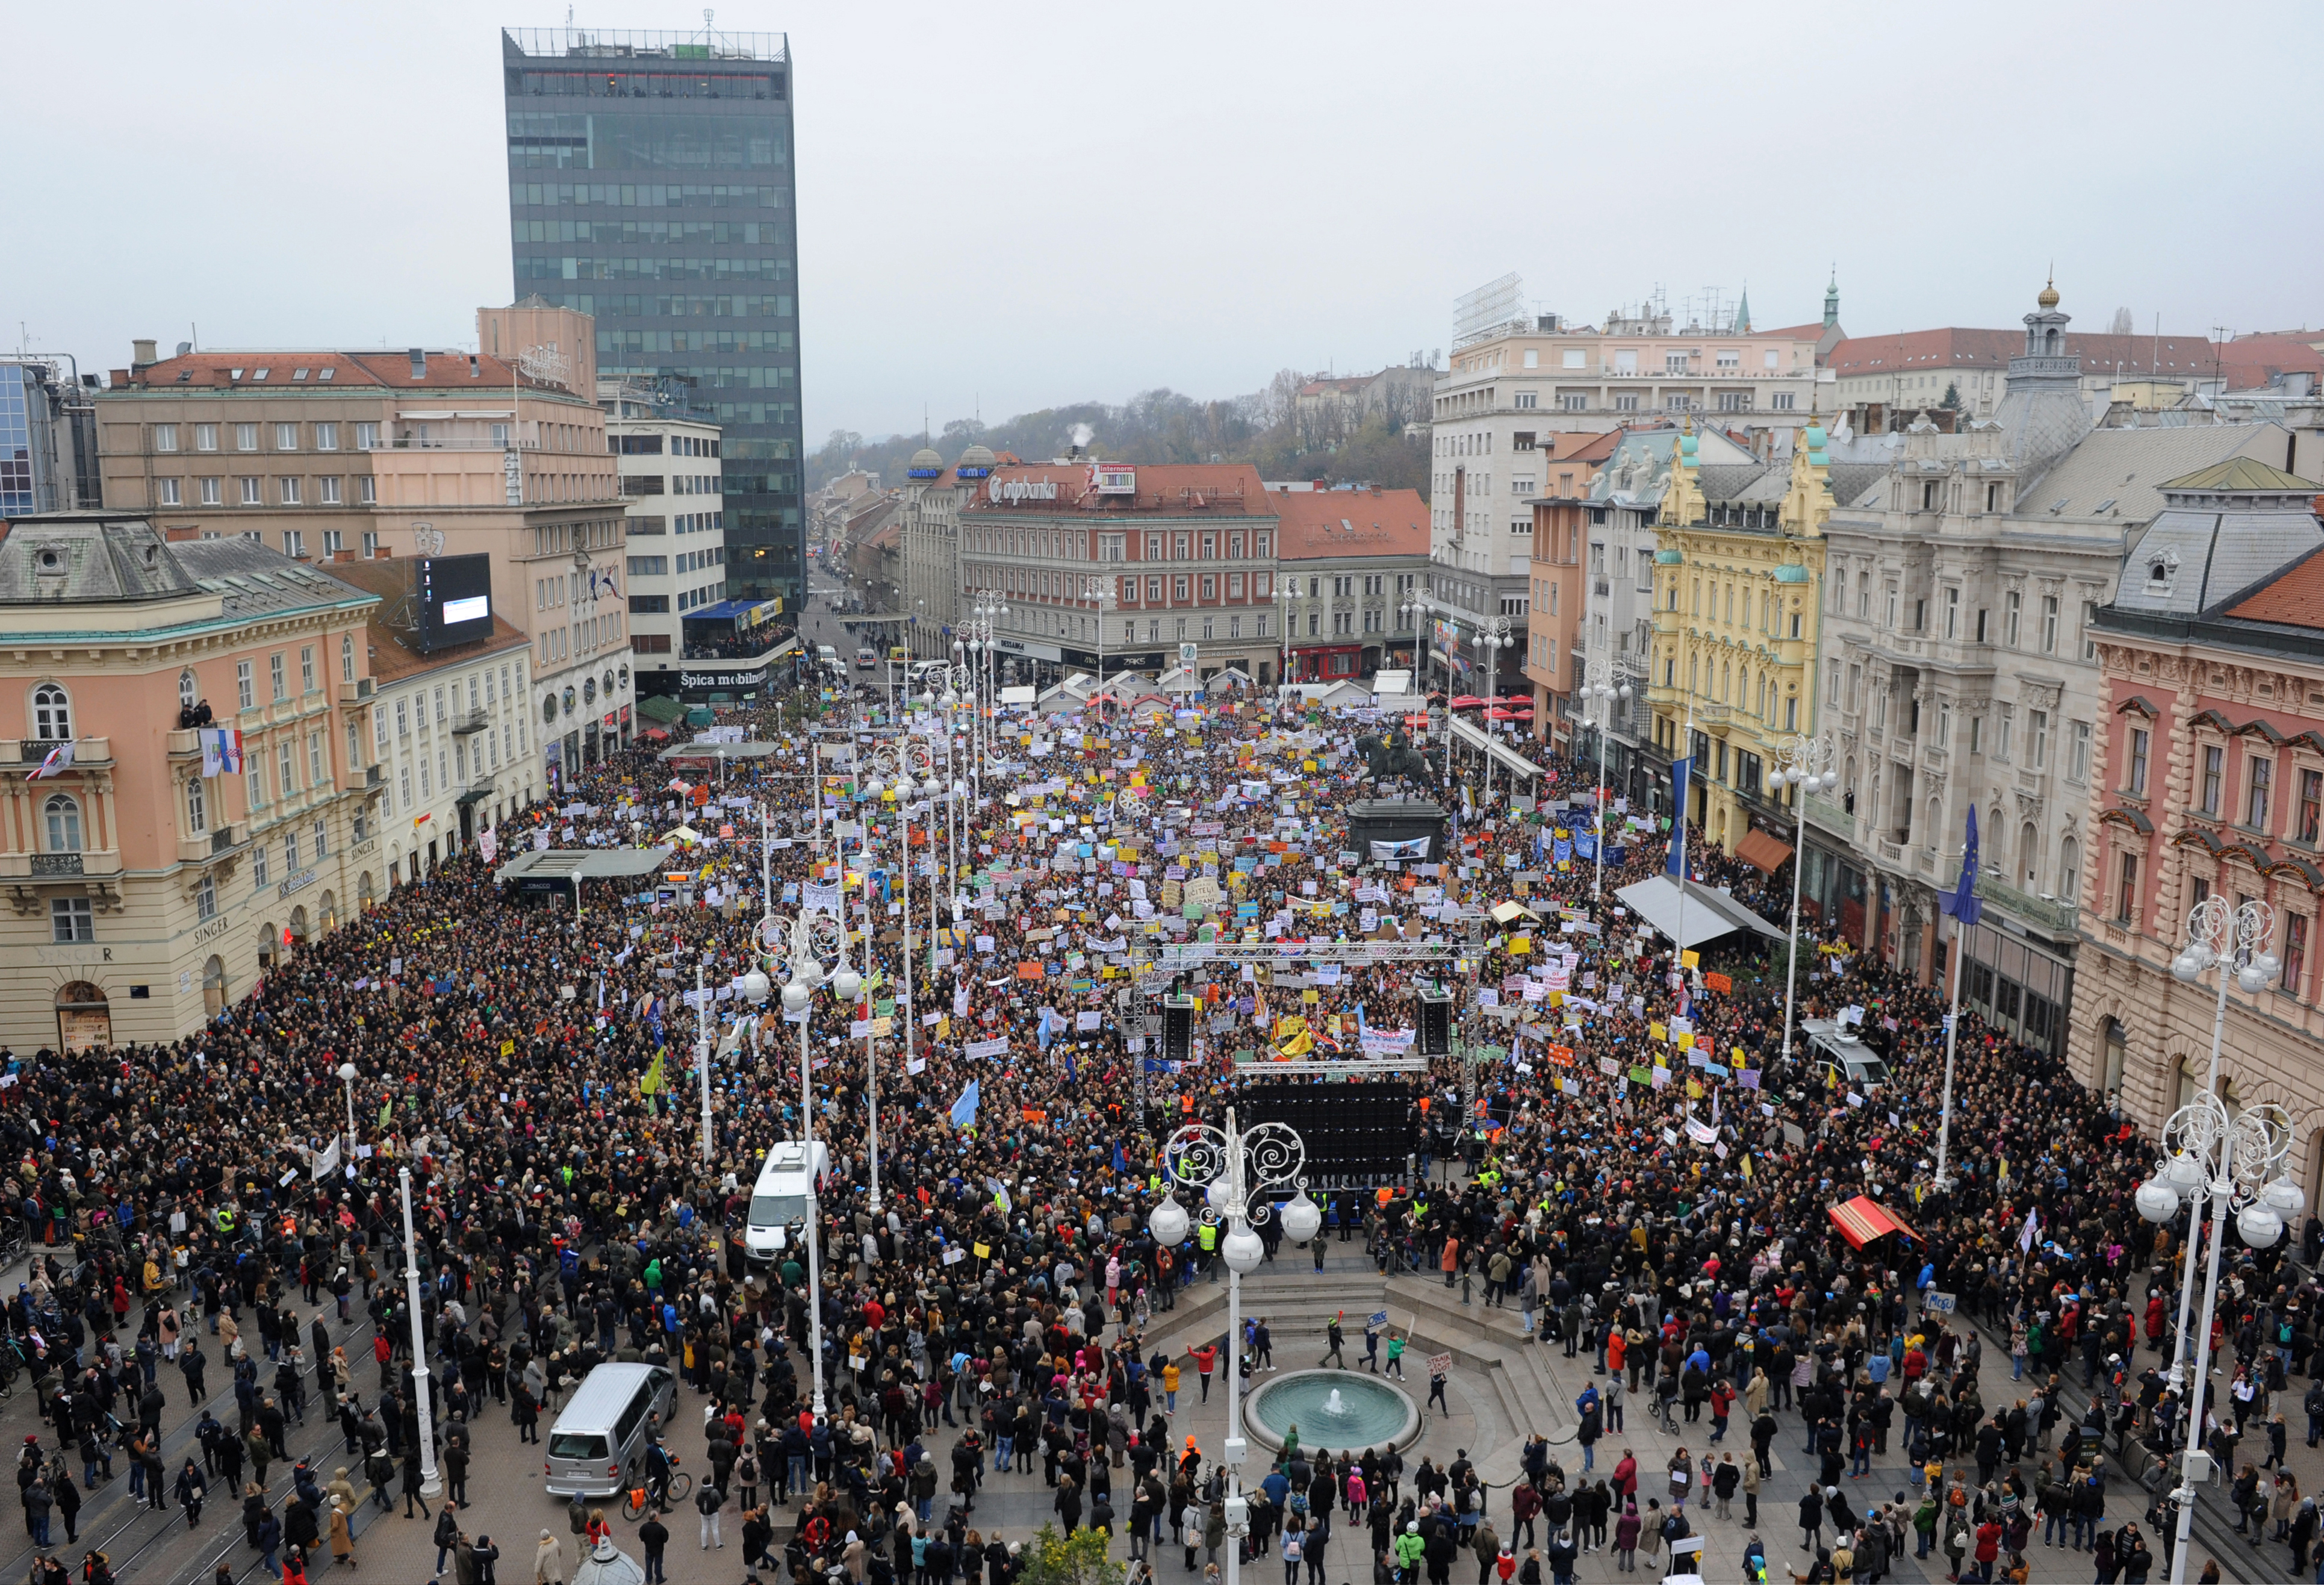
column 1529, row 1399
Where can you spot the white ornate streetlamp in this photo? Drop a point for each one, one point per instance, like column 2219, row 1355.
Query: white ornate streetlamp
column 1600, row 686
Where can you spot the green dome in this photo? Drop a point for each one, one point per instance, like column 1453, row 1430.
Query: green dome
column 1791, row 572
column 1688, row 445
column 1814, row 437
column 1669, row 559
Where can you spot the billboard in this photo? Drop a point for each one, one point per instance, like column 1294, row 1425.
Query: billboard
column 455, row 598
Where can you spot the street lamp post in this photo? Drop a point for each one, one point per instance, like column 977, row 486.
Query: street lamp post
column 347, row 1077
column 2230, row 940
column 1231, row 1168
column 797, row 950
column 430, row 1485
column 897, row 759
column 1493, row 637
column 1600, row 687
column 2232, row 1162
column 702, row 1054
column 1803, row 764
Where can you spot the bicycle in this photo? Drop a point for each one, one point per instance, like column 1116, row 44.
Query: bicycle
column 639, row 1500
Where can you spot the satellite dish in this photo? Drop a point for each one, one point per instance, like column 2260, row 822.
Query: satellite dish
column 184, row 347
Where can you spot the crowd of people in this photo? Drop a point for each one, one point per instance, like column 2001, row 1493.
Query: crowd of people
column 1640, row 1172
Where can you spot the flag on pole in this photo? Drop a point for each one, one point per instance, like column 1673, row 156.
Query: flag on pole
column 58, row 762
column 963, row 1110
column 2025, row 1236
column 1963, row 903
column 653, row 1083
column 1676, row 868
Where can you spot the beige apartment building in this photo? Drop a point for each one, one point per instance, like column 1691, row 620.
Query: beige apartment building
column 146, row 889
column 321, row 455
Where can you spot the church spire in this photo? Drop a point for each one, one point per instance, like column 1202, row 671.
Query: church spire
column 1832, row 299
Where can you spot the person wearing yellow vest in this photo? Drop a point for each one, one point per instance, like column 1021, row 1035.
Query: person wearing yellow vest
column 1207, row 1237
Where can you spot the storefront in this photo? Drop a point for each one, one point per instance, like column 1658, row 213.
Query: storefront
column 1834, row 892
column 720, row 684
column 1326, row 662
column 2018, row 984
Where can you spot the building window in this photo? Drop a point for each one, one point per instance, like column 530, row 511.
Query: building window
column 2295, row 950
column 2263, row 775
column 367, row 437
column 2078, row 754
column 314, row 759
column 2137, row 781
column 61, row 813
column 330, row 497
column 2049, row 625
column 2012, row 605
column 258, row 876
column 2037, row 731
column 51, row 714
column 250, row 496
column 307, row 668
column 171, row 495
column 1952, row 613
column 285, row 769
column 212, row 491
column 2214, row 769
column 276, row 675
column 2311, row 804
column 165, row 437
column 246, row 437
column 367, row 494
column 205, row 899
column 197, row 806
column 70, row 920
column 2127, row 890
column 206, row 436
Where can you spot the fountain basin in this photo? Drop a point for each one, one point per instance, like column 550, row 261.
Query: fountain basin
column 1370, row 1413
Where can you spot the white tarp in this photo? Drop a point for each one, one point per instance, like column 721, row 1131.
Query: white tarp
column 1507, row 757
column 1710, row 915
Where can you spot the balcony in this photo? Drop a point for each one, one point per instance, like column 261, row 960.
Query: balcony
column 89, row 753
column 1829, row 814
column 183, row 744
column 356, row 691
column 206, row 846
column 375, row 780
column 1711, row 715
column 2054, row 916
column 474, row 721
column 57, row 867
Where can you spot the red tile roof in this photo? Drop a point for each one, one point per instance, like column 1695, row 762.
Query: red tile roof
column 1225, row 487
column 2296, row 600
column 2250, row 361
column 1312, row 524
column 392, row 369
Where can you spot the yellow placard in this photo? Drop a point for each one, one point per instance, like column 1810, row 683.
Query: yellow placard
column 1520, row 945
column 1695, row 1089
column 1658, row 1032
column 1689, row 960
column 508, row 1048
column 980, row 1250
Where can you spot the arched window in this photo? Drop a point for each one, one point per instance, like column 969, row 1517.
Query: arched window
column 62, row 813
column 2029, row 854
column 346, row 657
column 51, row 714
column 188, row 694
column 197, row 806
column 2070, row 870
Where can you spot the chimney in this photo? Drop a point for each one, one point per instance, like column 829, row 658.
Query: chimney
column 383, row 552
column 177, row 534
column 343, row 555
column 140, row 352
column 419, row 362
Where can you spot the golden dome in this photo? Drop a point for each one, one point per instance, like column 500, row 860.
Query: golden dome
column 2049, row 298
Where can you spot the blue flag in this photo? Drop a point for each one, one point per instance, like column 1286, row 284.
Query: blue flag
column 963, row 1110
column 1585, row 844
column 1044, row 1036
column 1675, row 865
column 1965, row 905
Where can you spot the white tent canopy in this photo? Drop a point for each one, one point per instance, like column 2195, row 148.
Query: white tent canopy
column 1710, row 913
column 1506, row 757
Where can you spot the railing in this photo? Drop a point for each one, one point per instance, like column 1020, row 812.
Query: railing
column 1891, row 852
column 221, row 839
column 2052, row 913
column 1829, row 814
column 56, row 864
column 475, row 720
column 374, row 778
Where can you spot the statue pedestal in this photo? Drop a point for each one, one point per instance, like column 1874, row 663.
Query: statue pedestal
column 1396, row 819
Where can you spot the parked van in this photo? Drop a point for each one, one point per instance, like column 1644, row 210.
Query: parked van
column 783, row 1196
column 825, row 655
column 598, row 1446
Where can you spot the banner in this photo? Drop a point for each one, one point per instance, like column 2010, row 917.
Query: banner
column 326, row 1160
column 1416, row 848
column 221, row 751
column 823, row 898
column 1675, row 866
column 998, row 1046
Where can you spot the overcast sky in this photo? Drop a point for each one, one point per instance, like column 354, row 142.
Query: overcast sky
column 1013, row 205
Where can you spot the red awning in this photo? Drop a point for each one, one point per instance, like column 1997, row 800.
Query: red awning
column 652, row 735
column 1864, row 1218
column 1762, row 851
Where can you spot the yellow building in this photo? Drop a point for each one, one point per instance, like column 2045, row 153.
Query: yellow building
column 1739, row 575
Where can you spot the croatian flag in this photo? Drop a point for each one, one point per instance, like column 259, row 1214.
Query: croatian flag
column 221, row 751
column 59, row 761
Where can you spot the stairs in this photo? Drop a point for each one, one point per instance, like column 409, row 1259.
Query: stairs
column 1491, row 1342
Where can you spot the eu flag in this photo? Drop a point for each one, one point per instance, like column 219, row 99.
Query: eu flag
column 1675, row 866
column 1965, row 905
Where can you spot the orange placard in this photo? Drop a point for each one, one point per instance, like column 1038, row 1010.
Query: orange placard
column 1717, row 982
column 1563, row 1055
column 1032, row 970
column 1035, row 1115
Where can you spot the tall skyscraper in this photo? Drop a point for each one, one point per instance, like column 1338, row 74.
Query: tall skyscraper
column 651, row 185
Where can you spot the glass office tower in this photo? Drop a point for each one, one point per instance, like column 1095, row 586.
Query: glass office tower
column 650, row 185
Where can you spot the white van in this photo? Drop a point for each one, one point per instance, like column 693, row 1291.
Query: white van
column 1836, row 1044
column 783, row 1195
column 598, row 1445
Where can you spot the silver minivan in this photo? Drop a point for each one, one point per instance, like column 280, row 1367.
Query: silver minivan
column 599, row 1443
